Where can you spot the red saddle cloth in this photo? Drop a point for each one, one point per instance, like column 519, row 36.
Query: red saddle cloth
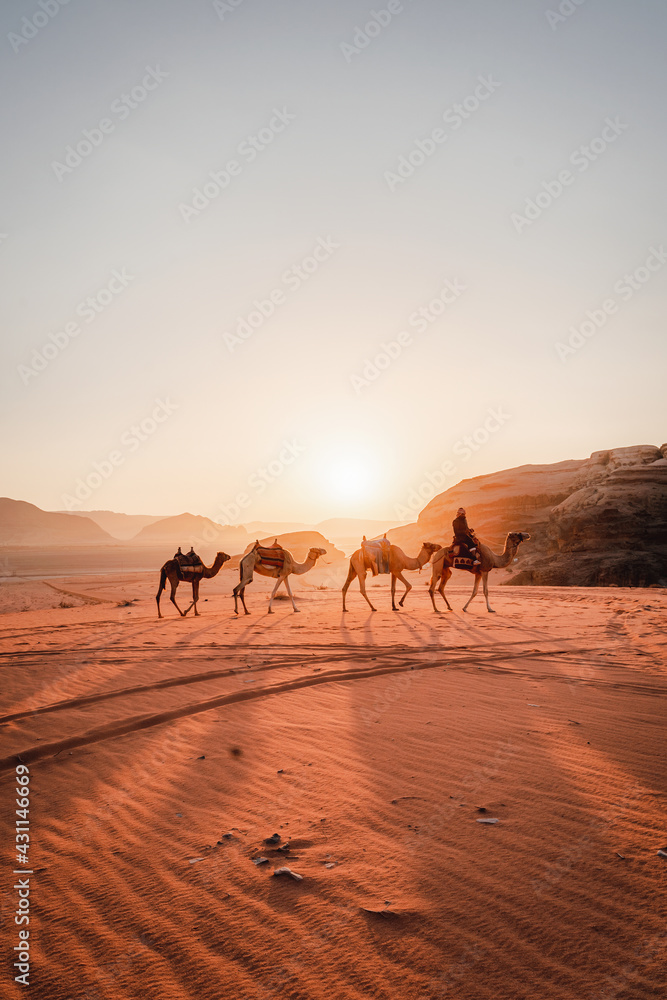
column 463, row 562
column 272, row 555
column 460, row 562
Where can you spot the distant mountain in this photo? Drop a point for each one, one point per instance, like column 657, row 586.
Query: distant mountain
column 22, row 523
column 259, row 529
column 593, row 521
column 121, row 526
column 193, row 530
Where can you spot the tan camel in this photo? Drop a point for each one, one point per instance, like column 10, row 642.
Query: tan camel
column 360, row 564
column 273, row 561
column 175, row 574
column 443, row 563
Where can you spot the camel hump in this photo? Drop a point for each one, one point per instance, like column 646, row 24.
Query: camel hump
column 189, row 559
column 271, row 555
column 376, row 552
column 188, row 564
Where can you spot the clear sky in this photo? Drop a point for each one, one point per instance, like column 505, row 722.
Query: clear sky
column 217, row 217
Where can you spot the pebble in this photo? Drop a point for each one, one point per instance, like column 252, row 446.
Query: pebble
column 288, row 871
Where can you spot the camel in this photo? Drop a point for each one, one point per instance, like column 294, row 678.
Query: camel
column 398, row 561
column 175, row 574
column 443, row 562
column 276, row 562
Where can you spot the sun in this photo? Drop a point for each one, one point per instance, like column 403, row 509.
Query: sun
column 348, row 479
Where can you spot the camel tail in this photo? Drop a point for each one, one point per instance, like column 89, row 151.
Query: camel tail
column 163, row 584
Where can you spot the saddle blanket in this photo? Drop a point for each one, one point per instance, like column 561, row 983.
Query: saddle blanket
column 187, row 568
column 463, row 562
column 377, row 553
column 273, row 556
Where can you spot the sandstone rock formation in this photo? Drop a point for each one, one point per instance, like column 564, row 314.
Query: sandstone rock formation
column 598, row 521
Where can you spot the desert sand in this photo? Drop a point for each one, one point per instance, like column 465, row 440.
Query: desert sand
column 163, row 754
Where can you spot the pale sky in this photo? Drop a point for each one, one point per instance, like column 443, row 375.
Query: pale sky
column 306, row 112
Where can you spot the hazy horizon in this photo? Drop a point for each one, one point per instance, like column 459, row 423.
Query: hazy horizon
column 313, row 256
column 414, row 510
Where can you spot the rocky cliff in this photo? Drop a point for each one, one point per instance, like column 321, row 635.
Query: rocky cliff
column 601, row 520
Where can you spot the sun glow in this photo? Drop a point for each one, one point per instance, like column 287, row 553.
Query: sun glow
column 348, row 479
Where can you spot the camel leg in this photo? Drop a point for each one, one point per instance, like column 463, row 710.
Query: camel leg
column 408, row 587
column 443, row 582
column 273, row 593
column 239, row 590
column 172, row 598
column 474, row 590
column 157, row 597
column 287, row 587
column 350, row 577
column 195, row 597
column 431, row 587
column 242, row 596
column 485, row 585
column 362, row 588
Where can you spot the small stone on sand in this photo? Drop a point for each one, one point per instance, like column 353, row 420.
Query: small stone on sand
column 288, row 871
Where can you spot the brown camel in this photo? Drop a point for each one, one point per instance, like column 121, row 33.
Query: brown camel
column 443, row 562
column 175, row 574
column 273, row 561
column 360, row 564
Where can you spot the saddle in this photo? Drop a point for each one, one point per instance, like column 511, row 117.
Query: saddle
column 272, row 556
column 461, row 558
column 377, row 554
column 189, row 562
column 463, row 562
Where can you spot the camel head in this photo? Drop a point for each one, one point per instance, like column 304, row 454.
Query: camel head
column 516, row 537
column 221, row 557
column 430, row 547
column 316, row 553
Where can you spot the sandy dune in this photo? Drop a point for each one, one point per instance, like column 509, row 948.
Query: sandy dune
column 163, row 753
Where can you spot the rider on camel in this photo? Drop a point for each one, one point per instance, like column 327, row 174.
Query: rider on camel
column 464, row 535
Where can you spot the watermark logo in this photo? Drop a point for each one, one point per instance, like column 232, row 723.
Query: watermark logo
column 293, row 278
column 93, row 138
column 625, row 288
column 553, row 189
column 31, row 26
column 130, row 441
column 247, row 150
column 223, row 7
column 454, row 117
column 259, row 481
column 439, row 479
column 565, row 9
column 419, row 320
column 89, row 309
column 364, row 34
